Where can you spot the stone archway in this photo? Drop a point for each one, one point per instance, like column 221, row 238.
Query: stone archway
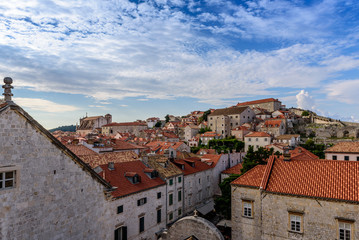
column 192, row 227
column 345, row 133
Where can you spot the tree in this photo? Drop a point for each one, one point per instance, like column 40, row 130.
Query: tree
column 167, row 117
column 305, row 113
column 205, row 114
column 317, row 149
column 223, row 203
column 205, row 129
column 254, row 158
column 158, row 124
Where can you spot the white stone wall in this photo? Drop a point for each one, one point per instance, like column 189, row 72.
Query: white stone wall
column 130, row 217
column 256, row 142
column 176, row 205
column 54, row 197
column 341, row 156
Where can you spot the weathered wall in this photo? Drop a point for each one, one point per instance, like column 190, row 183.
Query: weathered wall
column 54, row 198
column 193, row 226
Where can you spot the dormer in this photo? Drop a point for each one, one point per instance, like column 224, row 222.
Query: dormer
column 190, row 162
column 151, row 173
column 133, row 177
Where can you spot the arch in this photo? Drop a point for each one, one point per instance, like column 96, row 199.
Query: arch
column 345, row 133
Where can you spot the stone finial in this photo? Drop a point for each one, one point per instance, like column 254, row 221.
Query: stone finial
column 7, row 89
column 195, row 213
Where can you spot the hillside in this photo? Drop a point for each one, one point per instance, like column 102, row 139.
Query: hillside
column 69, row 128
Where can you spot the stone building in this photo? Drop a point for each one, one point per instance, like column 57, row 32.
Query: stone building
column 274, row 127
column 240, row 132
column 297, row 199
column 90, row 124
column 208, row 136
column 348, row 151
column 190, row 131
column 124, row 127
column 223, row 120
column 256, row 140
column 292, row 140
column 46, row 192
column 269, row 104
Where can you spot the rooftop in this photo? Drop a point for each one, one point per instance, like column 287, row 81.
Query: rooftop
column 228, row 111
column 258, row 134
column 105, row 158
column 344, row 147
column 258, row 101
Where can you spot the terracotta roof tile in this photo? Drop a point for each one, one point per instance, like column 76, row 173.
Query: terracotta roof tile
column 213, row 158
column 234, row 170
column 228, row 111
column 163, row 166
column 344, row 147
column 258, row 101
column 258, row 134
column 185, row 165
column 125, row 124
column 118, row 179
column 252, row 178
column 105, row 158
column 273, row 123
column 81, row 150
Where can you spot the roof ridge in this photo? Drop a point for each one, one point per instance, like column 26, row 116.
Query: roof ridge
column 267, row 173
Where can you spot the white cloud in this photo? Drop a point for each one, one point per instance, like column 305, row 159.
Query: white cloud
column 344, row 91
column 124, row 105
column 305, row 101
column 42, row 105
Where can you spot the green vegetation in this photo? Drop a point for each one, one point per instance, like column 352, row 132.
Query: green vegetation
column 227, row 145
column 254, row 158
column 305, row 113
column 69, row 128
column 223, row 203
column 205, row 129
column 158, row 124
column 317, row 149
column 204, row 117
column 167, row 117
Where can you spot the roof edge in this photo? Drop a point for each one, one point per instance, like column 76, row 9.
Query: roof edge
column 267, row 172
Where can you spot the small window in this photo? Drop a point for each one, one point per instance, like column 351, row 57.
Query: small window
column 256, row 139
column 170, row 199
column 249, row 139
column 357, row 158
column 121, row 233
column 265, row 139
column 141, row 201
column 159, row 194
column 179, row 195
column 345, row 230
column 346, row 158
column 179, row 179
column 247, row 208
column 199, row 180
column 7, row 179
column 171, row 181
column 170, row 216
column 295, row 222
column 142, row 224
column 334, row 157
column 158, row 215
column 179, row 212
column 119, row 209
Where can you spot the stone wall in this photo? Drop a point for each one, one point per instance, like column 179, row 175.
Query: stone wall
column 192, row 226
column 54, row 197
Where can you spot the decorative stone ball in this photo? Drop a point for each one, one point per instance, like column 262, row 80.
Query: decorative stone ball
column 8, row 80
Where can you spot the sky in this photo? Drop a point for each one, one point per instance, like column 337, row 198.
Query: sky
column 140, row 59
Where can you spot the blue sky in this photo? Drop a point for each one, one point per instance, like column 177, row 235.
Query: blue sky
column 138, row 59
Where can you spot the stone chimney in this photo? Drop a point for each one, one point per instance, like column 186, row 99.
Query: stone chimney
column 111, row 166
column 286, row 154
column 7, row 89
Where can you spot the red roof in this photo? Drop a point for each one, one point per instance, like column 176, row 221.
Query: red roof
column 240, row 128
column 125, row 124
column 344, row 147
column 118, row 179
column 257, row 134
column 234, row 170
column 81, row 150
column 3, row 104
column 169, row 135
column 300, row 153
column 122, row 145
column 258, row 101
column 327, row 179
column 207, row 151
column 272, row 123
column 188, row 169
column 212, row 158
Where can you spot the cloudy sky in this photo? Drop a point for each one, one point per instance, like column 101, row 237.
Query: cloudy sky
column 139, row 59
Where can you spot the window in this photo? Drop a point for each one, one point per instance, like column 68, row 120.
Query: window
column 7, row 179
column 295, row 222
column 142, row 224
column 199, row 180
column 171, row 199
column 334, row 157
column 247, row 208
column 179, row 179
column 159, row 195
column 249, row 139
column 170, row 216
column 179, row 212
column 179, row 195
column 346, row 158
column 121, row 233
column 345, row 230
column 141, row 201
column 357, row 158
column 158, row 215
column 171, row 182
column 119, row 209
column 265, row 139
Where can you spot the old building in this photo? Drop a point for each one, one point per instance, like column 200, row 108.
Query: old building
column 297, row 199
column 90, row 124
column 240, row 132
column 190, row 131
column 208, row 136
column 46, row 191
column 348, row 151
column 223, row 120
column 291, row 140
column 257, row 140
column 274, row 127
column 269, row 104
column 124, row 127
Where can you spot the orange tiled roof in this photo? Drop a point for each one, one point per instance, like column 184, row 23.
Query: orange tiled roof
column 105, row 158
column 118, row 179
column 257, row 134
column 210, row 134
column 240, row 128
column 211, row 158
column 208, row 151
column 273, row 123
column 3, row 104
column 258, row 101
column 344, row 147
column 125, row 124
column 300, row 153
column 187, row 168
column 81, row 150
column 234, row 170
column 252, row 178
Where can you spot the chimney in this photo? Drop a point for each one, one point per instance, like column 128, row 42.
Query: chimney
column 7, row 89
column 286, row 154
column 111, row 166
